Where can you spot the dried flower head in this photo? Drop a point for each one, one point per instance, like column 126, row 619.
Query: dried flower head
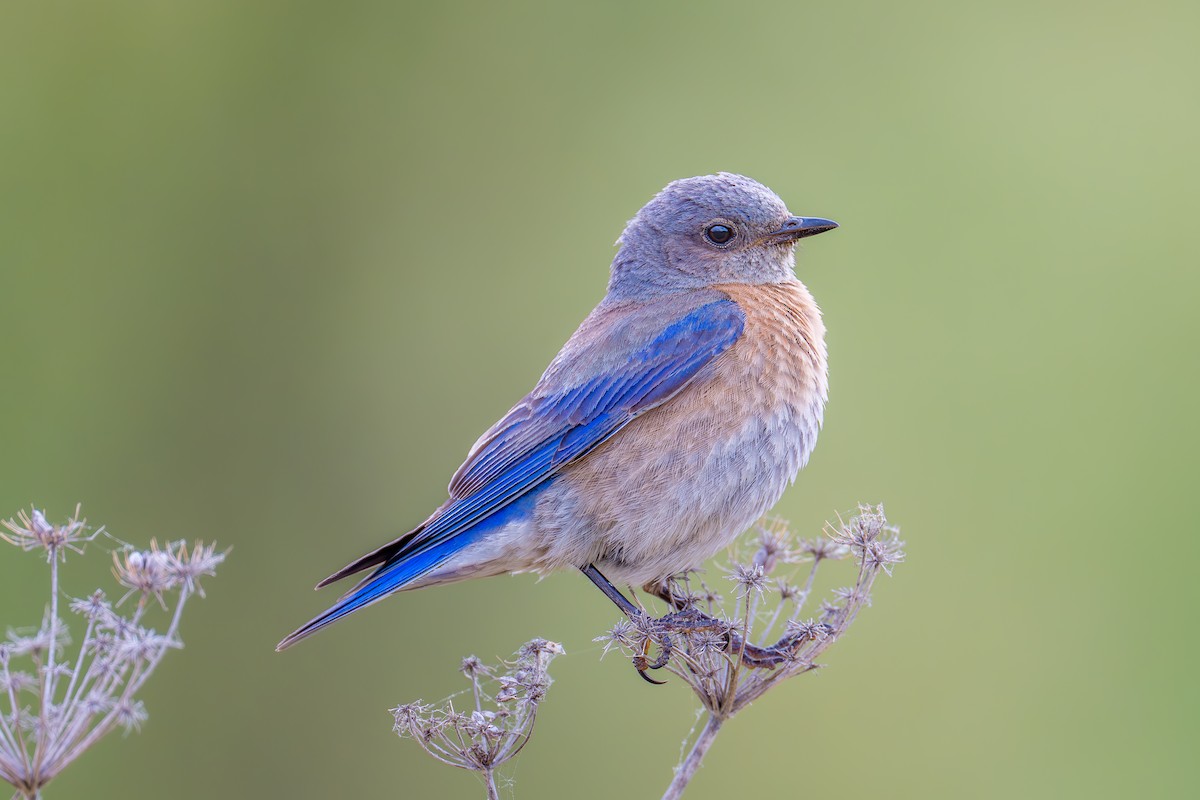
column 505, row 699
column 774, row 540
column 144, row 571
column 64, row 702
column 731, row 649
column 152, row 572
column 31, row 531
column 749, row 578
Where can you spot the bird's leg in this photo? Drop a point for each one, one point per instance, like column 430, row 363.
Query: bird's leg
column 634, row 613
column 611, row 592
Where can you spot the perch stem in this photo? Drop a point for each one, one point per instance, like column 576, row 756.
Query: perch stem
column 688, row 768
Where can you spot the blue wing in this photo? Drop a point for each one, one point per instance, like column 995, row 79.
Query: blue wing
column 575, row 407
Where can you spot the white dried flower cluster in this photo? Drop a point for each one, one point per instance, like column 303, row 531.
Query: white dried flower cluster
column 31, row 531
column 731, row 648
column 153, row 572
column 505, row 700
column 57, row 701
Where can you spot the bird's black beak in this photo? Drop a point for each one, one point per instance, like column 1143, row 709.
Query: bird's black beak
column 799, row 227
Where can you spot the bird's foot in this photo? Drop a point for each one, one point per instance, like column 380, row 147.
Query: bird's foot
column 686, row 619
column 642, row 662
column 690, row 621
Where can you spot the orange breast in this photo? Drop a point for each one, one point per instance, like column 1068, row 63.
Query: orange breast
column 679, row 482
column 782, row 350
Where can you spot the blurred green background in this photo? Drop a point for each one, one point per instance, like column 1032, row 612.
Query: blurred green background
column 267, row 270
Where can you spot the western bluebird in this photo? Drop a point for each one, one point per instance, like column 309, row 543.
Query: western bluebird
column 674, row 417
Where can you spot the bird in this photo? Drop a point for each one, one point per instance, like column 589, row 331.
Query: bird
column 674, row 417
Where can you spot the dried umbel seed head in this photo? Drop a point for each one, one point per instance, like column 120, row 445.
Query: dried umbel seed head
column 505, row 697
column 772, row 545
column 750, row 579
column 822, row 548
column 68, row 698
column 864, row 528
column 730, row 649
column 145, row 571
column 31, row 531
column 471, row 666
column 157, row 570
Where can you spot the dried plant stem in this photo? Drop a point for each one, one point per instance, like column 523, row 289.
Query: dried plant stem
column 687, row 769
column 49, row 675
column 489, row 778
column 71, row 742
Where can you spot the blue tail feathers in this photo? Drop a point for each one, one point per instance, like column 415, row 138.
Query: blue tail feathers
column 397, row 573
column 385, row 580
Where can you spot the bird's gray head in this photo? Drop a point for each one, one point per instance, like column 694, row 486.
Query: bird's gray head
column 721, row 228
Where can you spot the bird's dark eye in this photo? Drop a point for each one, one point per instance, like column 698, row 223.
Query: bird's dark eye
column 719, row 234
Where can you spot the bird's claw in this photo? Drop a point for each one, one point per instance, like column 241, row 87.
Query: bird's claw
column 642, row 662
column 641, row 671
